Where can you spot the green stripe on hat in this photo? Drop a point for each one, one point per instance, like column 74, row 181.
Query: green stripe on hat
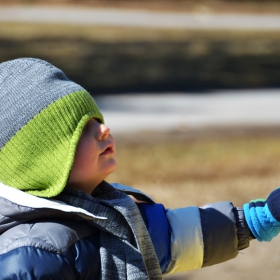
column 39, row 157
column 27, row 86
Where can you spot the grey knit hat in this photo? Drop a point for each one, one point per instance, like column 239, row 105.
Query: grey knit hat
column 42, row 116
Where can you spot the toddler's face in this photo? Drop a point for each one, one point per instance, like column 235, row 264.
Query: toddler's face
column 95, row 157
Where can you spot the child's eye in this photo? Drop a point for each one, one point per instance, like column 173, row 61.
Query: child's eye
column 98, row 120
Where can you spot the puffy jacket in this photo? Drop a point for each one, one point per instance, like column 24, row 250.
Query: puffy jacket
column 48, row 239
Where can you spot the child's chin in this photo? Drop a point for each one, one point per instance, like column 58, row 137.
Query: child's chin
column 112, row 166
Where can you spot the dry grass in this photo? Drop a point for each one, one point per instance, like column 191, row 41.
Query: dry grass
column 180, row 169
column 27, row 31
column 198, row 6
column 126, row 59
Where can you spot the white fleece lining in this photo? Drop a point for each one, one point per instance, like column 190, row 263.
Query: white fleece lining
column 24, row 199
column 186, row 239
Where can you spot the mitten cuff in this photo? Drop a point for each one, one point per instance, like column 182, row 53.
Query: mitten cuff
column 260, row 220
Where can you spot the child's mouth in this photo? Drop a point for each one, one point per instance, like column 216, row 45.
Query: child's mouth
column 109, row 150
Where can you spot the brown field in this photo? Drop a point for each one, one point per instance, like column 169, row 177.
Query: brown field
column 182, row 168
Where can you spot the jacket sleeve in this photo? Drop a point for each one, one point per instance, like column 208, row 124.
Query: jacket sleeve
column 193, row 237
column 203, row 236
column 196, row 236
column 31, row 263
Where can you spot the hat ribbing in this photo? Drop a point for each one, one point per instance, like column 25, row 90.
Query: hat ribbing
column 42, row 116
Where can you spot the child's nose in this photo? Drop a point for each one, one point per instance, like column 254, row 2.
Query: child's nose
column 104, row 131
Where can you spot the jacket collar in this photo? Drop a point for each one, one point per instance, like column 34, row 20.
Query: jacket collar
column 21, row 198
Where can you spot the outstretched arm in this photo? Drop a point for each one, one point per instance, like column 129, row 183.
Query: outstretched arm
column 204, row 236
column 194, row 237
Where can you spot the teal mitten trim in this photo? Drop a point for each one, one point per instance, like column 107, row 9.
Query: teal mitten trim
column 262, row 216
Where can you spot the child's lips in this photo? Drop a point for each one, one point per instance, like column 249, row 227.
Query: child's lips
column 109, row 150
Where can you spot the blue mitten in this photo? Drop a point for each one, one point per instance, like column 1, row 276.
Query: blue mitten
column 263, row 216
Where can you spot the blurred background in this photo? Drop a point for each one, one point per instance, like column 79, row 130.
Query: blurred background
column 190, row 90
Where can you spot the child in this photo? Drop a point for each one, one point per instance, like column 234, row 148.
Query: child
column 59, row 219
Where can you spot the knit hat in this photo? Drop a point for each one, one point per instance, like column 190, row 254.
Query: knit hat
column 42, row 116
